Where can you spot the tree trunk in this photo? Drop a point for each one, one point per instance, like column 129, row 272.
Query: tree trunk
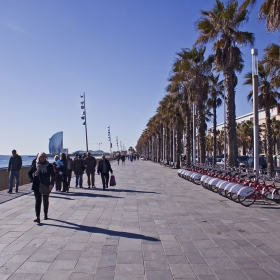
column 269, row 156
column 215, row 131
column 201, row 130
column 230, row 84
column 179, row 143
column 188, row 135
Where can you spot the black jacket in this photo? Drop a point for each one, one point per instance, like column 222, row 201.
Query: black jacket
column 15, row 163
column 45, row 178
column 108, row 165
column 78, row 166
column 90, row 162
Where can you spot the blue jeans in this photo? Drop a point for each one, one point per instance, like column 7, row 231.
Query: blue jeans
column 13, row 174
column 79, row 180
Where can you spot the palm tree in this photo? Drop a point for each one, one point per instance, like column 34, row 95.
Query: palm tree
column 276, row 133
column 220, row 141
column 193, row 70
column 268, row 98
column 221, row 25
column 245, row 134
column 269, row 11
column 215, row 93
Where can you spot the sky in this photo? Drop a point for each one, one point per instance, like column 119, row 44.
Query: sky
column 120, row 53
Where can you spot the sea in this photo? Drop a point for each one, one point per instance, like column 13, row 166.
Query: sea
column 26, row 160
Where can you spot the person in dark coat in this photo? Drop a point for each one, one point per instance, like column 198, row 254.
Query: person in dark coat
column 56, row 168
column 78, row 167
column 90, row 165
column 15, row 164
column 63, row 172
column 104, row 167
column 42, row 171
column 123, row 159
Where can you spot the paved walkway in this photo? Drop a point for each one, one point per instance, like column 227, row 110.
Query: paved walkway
column 153, row 225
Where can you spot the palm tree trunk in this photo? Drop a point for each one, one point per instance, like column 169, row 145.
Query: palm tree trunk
column 230, row 84
column 179, row 143
column 214, row 131
column 269, row 157
column 188, row 135
column 201, row 131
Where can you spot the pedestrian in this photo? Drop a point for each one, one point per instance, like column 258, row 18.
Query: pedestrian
column 78, row 167
column 58, row 177
column 123, row 159
column 34, row 160
column 41, row 172
column 90, row 164
column 118, row 158
column 15, row 164
column 131, row 158
column 62, row 162
column 69, row 169
column 104, row 167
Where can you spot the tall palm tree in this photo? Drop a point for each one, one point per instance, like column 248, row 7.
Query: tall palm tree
column 268, row 98
column 193, row 69
column 269, row 11
column 215, row 93
column 222, row 25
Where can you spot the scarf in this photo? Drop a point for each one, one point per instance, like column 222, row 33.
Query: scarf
column 41, row 167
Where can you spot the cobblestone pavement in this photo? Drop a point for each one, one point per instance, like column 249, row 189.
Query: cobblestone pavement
column 153, row 225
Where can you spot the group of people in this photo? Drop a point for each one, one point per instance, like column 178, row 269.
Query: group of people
column 122, row 157
column 58, row 173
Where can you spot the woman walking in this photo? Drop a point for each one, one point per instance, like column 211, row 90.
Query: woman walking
column 41, row 173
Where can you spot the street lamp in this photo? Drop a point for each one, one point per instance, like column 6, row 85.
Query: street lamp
column 117, row 142
column 84, row 116
column 109, row 138
column 254, row 53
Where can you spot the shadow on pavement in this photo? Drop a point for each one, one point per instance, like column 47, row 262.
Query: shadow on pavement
column 122, row 190
column 88, row 195
column 61, row 197
column 101, row 230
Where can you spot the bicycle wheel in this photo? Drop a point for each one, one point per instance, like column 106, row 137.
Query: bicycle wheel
column 234, row 197
column 247, row 200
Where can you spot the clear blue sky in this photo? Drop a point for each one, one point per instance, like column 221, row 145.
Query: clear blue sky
column 118, row 52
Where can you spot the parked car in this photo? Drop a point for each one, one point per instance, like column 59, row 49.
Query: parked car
column 262, row 162
column 242, row 160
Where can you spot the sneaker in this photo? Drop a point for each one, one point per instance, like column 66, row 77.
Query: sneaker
column 37, row 220
column 45, row 217
column 16, row 190
column 9, row 192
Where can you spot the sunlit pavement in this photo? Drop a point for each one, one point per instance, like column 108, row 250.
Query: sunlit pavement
column 152, row 225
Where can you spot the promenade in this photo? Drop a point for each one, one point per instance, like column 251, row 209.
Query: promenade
column 152, row 226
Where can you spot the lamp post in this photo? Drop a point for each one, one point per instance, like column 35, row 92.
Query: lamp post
column 117, row 142
column 109, row 138
column 254, row 53
column 84, row 116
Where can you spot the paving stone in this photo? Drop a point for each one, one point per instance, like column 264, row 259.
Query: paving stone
column 156, row 275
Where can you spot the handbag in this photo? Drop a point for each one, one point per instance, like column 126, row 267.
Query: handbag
column 44, row 190
column 112, row 181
